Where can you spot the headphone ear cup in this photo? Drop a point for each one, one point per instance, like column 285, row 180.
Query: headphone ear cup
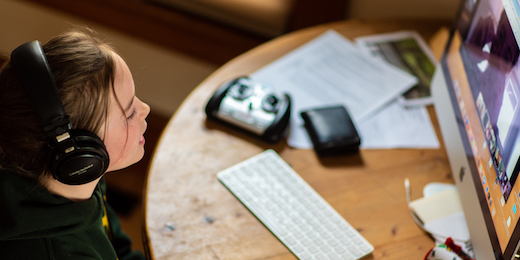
column 88, row 161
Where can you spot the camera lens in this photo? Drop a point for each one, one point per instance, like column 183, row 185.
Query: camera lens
column 270, row 103
column 241, row 91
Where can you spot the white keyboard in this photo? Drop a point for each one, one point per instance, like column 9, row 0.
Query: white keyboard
column 292, row 210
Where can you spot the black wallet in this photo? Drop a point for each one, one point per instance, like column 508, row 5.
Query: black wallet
column 331, row 130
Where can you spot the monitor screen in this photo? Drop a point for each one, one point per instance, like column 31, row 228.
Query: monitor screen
column 480, row 75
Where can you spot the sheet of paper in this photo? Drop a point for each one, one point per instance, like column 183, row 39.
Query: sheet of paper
column 397, row 126
column 437, row 206
column 331, row 70
column 453, row 226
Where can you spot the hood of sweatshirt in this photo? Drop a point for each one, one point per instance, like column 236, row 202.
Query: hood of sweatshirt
column 29, row 211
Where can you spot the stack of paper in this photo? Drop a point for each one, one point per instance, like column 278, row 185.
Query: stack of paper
column 442, row 216
column 331, row 70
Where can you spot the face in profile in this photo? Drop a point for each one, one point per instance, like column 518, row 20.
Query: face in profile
column 123, row 131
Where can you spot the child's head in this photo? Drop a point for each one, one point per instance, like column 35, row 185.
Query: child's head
column 97, row 92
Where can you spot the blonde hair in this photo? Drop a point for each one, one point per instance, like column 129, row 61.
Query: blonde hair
column 84, row 69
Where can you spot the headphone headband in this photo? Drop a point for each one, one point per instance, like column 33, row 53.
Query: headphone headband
column 38, row 81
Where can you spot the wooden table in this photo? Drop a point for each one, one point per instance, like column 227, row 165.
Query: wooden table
column 191, row 215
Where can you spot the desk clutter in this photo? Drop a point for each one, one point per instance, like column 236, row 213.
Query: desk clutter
column 372, row 79
column 440, row 214
column 292, row 210
column 382, row 81
column 259, row 110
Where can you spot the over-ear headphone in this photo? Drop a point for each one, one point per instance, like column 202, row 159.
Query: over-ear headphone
column 76, row 156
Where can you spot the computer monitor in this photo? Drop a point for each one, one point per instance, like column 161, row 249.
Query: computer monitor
column 476, row 90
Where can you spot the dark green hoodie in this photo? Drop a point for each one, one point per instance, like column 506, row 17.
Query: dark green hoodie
column 35, row 224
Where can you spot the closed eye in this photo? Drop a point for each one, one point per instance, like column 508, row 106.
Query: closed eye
column 131, row 115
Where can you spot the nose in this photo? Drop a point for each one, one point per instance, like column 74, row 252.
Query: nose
column 145, row 108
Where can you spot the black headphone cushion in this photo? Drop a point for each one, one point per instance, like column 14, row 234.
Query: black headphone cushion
column 87, row 162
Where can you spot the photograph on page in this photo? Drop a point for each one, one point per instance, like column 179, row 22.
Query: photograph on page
column 409, row 52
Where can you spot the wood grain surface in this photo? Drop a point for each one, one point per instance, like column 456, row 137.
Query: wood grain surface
column 191, row 215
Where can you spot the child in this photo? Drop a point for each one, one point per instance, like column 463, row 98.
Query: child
column 51, row 205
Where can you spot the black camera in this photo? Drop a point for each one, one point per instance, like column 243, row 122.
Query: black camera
column 251, row 106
